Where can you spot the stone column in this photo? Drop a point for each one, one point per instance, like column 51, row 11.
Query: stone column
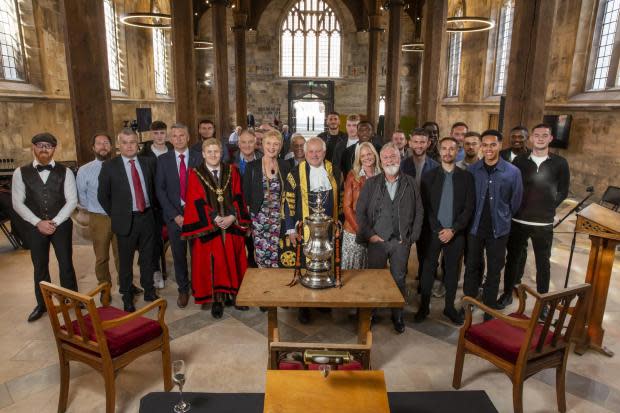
column 241, row 102
column 184, row 65
column 392, row 98
column 435, row 42
column 529, row 55
column 374, row 32
column 220, row 47
column 87, row 69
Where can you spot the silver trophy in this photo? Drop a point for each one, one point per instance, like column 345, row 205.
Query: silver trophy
column 319, row 249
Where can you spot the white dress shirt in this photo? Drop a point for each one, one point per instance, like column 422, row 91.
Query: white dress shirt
column 18, row 195
column 147, row 201
column 319, row 180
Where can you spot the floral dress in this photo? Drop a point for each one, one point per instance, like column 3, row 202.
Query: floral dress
column 266, row 225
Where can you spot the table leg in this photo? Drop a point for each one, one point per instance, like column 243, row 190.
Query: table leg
column 272, row 336
column 363, row 325
column 590, row 333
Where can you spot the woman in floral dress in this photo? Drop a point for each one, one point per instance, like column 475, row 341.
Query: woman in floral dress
column 262, row 188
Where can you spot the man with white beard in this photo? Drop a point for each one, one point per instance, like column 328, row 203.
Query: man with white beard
column 389, row 217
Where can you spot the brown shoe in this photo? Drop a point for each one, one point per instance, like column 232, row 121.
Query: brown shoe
column 182, row 300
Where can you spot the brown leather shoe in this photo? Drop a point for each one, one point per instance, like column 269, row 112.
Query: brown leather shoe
column 182, row 300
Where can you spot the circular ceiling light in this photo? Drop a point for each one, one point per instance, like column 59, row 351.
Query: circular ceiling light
column 203, row 45
column 147, row 20
column 468, row 24
column 412, row 47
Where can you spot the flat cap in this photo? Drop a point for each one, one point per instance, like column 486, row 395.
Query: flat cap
column 44, row 137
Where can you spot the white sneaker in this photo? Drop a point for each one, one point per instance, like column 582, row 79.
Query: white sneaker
column 439, row 289
column 158, row 279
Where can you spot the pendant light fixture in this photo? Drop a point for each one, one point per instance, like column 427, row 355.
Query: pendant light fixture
column 467, row 24
column 148, row 20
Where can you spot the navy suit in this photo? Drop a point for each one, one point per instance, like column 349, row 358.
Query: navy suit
column 168, row 190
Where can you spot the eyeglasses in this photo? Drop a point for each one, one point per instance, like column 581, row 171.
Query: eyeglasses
column 41, row 145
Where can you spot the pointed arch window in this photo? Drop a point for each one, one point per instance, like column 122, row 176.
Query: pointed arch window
column 11, row 45
column 604, row 73
column 504, row 36
column 310, row 43
column 454, row 59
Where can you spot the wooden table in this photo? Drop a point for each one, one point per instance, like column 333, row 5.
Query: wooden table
column 363, row 289
column 342, row 391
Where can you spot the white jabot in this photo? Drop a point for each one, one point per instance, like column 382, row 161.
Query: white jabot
column 319, row 180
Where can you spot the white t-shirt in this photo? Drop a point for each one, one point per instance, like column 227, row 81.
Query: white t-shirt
column 538, row 160
column 351, row 142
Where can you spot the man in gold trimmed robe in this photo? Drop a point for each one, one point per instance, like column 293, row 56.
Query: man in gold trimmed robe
column 312, row 178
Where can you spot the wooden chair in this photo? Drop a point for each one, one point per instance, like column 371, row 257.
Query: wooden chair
column 520, row 345
column 106, row 338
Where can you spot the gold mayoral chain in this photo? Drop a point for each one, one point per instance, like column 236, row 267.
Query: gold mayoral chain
column 218, row 191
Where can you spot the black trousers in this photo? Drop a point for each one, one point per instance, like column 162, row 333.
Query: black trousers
column 141, row 238
column 62, row 240
column 158, row 242
column 452, row 252
column 397, row 253
column 179, row 257
column 495, row 249
column 542, row 240
column 249, row 246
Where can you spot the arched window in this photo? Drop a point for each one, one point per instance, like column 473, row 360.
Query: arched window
column 160, row 61
column 11, row 46
column 455, row 44
column 504, row 36
column 111, row 36
column 604, row 73
column 310, row 41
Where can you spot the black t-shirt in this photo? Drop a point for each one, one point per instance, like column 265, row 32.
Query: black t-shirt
column 485, row 228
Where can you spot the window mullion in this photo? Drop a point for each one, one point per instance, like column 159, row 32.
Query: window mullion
column 612, row 75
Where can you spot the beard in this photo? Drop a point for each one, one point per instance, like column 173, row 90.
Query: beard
column 102, row 156
column 391, row 170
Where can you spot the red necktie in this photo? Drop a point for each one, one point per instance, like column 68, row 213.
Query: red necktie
column 182, row 176
column 137, row 187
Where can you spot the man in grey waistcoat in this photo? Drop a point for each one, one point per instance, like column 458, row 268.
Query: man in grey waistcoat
column 389, row 219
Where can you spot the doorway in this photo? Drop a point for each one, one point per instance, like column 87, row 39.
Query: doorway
column 309, row 103
column 309, row 117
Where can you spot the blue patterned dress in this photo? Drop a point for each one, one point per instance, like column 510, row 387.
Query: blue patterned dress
column 266, row 225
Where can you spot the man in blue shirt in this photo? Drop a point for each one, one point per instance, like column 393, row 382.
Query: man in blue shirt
column 498, row 197
column 458, row 131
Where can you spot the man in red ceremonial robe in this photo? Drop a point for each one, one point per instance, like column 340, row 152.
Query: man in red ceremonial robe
column 216, row 219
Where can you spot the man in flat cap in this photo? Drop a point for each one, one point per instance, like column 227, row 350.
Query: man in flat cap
column 44, row 195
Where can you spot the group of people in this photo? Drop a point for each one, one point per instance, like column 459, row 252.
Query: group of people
column 237, row 205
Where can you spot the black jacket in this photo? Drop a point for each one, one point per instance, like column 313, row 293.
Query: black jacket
column 253, row 182
column 410, row 209
column 331, row 141
column 146, row 149
column 464, row 198
column 544, row 188
column 114, row 193
column 505, row 153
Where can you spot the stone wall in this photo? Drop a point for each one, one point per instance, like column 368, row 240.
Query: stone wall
column 42, row 103
column 268, row 92
column 594, row 148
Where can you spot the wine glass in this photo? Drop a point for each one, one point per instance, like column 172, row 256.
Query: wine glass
column 178, row 376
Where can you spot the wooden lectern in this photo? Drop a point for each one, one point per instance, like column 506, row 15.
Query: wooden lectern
column 603, row 226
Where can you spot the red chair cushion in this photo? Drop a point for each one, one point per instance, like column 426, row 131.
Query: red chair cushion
column 502, row 339
column 290, row 365
column 125, row 337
